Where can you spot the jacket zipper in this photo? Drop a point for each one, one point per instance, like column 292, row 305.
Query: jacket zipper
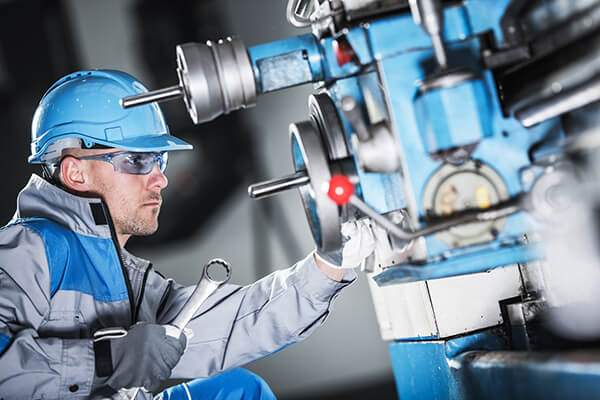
column 142, row 290
column 113, row 236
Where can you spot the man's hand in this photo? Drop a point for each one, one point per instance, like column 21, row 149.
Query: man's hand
column 358, row 242
column 144, row 357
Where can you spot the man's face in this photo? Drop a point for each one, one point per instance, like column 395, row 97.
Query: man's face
column 133, row 200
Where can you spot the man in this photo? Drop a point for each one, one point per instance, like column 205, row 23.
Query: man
column 65, row 274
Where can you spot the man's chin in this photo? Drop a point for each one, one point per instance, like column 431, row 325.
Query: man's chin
column 145, row 230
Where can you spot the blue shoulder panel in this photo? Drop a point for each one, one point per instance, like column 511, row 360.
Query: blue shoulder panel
column 81, row 263
column 4, row 341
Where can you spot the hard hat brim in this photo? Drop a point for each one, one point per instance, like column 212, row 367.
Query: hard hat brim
column 151, row 143
column 138, row 144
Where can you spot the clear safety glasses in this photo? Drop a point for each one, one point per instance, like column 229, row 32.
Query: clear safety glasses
column 133, row 163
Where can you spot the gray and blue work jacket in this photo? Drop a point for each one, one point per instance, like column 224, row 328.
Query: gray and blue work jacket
column 63, row 276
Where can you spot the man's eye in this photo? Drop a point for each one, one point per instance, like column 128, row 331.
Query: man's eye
column 134, row 159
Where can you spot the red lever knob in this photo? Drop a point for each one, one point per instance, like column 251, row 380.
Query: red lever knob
column 340, row 189
column 343, row 52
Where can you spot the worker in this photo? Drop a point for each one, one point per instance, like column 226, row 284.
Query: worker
column 65, row 274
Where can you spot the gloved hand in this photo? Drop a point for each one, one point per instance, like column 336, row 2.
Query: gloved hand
column 144, row 357
column 358, row 242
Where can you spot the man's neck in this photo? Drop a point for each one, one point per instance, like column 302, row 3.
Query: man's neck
column 122, row 239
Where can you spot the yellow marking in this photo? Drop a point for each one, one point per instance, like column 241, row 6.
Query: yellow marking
column 482, row 195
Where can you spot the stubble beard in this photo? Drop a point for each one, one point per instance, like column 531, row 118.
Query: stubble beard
column 136, row 221
column 132, row 225
column 132, row 220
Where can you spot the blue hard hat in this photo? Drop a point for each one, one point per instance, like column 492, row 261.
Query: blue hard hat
column 86, row 105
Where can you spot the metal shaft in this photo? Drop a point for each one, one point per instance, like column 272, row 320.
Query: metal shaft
column 380, row 219
column 566, row 101
column 165, row 94
column 500, row 210
column 274, row 186
column 439, row 50
column 430, row 15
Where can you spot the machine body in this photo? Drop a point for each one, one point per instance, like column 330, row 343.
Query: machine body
column 468, row 163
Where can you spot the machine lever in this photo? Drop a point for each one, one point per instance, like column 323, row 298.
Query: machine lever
column 341, row 191
column 172, row 92
column 274, row 186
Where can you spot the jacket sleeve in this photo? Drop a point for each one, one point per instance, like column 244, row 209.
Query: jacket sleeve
column 237, row 325
column 32, row 366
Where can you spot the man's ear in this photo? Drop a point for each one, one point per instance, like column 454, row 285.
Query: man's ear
column 74, row 175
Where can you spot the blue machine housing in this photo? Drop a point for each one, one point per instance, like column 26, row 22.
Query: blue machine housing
column 390, row 59
column 422, row 123
column 438, row 122
column 443, row 113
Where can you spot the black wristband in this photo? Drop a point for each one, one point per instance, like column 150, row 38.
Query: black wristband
column 103, row 359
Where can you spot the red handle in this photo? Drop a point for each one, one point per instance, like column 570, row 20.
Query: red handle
column 340, row 189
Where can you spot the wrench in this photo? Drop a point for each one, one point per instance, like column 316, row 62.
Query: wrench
column 204, row 288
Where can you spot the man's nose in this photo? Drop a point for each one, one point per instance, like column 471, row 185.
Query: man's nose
column 157, row 179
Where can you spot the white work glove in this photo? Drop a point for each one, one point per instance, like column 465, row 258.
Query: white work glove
column 358, row 242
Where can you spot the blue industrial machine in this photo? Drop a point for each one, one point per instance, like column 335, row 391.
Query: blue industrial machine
column 469, row 131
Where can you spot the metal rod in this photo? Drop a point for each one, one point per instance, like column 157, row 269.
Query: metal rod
column 274, row 186
column 439, row 50
column 430, row 15
column 500, row 210
column 566, row 101
column 165, row 94
column 380, row 219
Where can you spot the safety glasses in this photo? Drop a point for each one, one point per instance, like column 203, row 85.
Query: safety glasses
column 129, row 162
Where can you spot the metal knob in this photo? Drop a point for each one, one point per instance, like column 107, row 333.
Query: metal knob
column 278, row 185
column 172, row 92
column 214, row 78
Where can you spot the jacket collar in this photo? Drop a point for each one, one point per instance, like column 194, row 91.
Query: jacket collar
column 40, row 198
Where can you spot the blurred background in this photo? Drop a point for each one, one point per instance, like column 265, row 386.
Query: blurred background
column 207, row 212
